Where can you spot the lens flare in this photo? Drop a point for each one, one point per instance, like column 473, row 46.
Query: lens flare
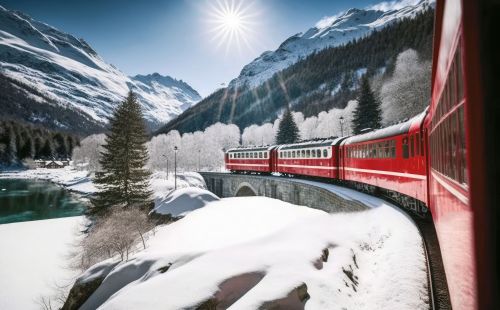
column 232, row 23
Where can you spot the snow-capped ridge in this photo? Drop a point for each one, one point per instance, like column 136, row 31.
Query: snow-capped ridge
column 330, row 31
column 68, row 70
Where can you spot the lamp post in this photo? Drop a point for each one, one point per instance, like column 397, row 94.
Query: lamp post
column 175, row 167
column 342, row 126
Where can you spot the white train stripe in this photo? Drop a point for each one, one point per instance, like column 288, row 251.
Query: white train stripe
column 450, row 189
column 250, row 165
column 312, row 167
column 397, row 174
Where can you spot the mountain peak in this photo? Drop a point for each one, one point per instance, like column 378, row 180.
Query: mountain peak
column 72, row 74
column 328, row 32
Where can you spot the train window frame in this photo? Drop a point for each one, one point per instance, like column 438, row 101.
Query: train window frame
column 265, row 154
column 293, row 154
column 308, row 153
column 325, row 153
column 260, row 155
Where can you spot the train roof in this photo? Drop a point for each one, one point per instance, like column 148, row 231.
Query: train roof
column 312, row 143
column 394, row 130
column 252, row 148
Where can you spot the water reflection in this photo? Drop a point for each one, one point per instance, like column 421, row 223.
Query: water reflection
column 28, row 200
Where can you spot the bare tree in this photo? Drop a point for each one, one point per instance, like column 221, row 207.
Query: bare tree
column 115, row 235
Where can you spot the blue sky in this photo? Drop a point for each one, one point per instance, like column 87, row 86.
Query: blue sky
column 176, row 38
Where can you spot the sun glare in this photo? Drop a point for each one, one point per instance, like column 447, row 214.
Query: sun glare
column 232, row 23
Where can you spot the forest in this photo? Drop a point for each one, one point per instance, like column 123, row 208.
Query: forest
column 21, row 141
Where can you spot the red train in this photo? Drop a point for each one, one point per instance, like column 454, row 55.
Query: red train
column 442, row 160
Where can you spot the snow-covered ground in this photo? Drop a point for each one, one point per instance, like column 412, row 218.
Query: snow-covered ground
column 33, row 260
column 248, row 251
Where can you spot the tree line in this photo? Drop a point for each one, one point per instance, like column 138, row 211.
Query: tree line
column 21, row 141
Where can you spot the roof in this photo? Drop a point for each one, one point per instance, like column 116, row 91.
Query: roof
column 394, row 130
column 312, row 143
column 252, row 148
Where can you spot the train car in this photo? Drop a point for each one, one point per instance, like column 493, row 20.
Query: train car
column 313, row 158
column 463, row 147
column 389, row 160
column 251, row 159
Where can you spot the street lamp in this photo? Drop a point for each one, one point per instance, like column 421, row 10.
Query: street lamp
column 175, row 167
column 342, row 126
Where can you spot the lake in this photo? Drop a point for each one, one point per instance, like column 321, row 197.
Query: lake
column 29, row 200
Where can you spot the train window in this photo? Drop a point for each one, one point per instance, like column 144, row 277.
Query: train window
column 460, row 84
column 260, row 154
column 255, row 155
column 412, row 152
column 318, row 153
column 393, row 148
column 405, row 148
column 293, row 154
column 313, row 153
column 265, row 154
column 325, row 153
column 308, row 153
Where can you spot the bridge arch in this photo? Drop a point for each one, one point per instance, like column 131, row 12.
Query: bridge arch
column 245, row 189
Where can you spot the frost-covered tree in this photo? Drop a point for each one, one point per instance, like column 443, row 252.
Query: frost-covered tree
column 201, row 150
column 407, row 92
column 367, row 114
column 288, row 132
column 87, row 155
column 123, row 179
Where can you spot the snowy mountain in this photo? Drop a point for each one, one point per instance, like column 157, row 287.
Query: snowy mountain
column 328, row 32
column 66, row 71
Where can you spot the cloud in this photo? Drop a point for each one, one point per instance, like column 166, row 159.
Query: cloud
column 327, row 21
column 392, row 5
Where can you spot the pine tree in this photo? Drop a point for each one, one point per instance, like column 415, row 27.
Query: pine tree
column 288, row 132
column 123, row 181
column 47, row 151
column 367, row 114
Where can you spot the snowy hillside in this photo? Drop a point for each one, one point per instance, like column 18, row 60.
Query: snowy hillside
column 262, row 253
column 328, row 32
column 68, row 71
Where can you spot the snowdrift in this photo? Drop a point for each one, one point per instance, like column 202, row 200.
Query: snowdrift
column 182, row 201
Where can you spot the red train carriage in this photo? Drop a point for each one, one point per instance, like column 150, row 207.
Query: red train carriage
column 252, row 159
column 390, row 159
column 313, row 158
column 462, row 163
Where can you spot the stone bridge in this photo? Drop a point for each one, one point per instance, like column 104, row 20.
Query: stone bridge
column 299, row 192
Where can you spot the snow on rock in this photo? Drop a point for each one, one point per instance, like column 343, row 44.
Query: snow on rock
column 69, row 71
column 33, row 260
column 246, row 252
column 328, row 32
column 182, row 201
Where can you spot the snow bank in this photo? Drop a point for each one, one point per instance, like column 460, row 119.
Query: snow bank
column 33, row 260
column 182, row 201
column 253, row 250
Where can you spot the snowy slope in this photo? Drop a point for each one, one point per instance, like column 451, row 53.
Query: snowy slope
column 69, row 71
column 328, row 32
column 252, row 252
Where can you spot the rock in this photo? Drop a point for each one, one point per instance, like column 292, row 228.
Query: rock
column 80, row 292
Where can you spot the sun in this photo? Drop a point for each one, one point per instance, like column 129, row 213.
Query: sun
column 232, row 23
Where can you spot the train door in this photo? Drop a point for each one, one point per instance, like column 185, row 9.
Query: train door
column 273, row 159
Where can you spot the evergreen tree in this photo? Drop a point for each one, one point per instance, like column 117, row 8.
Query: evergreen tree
column 47, row 151
column 367, row 114
column 11, row 145
column 124, row 181
column 288, row 132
